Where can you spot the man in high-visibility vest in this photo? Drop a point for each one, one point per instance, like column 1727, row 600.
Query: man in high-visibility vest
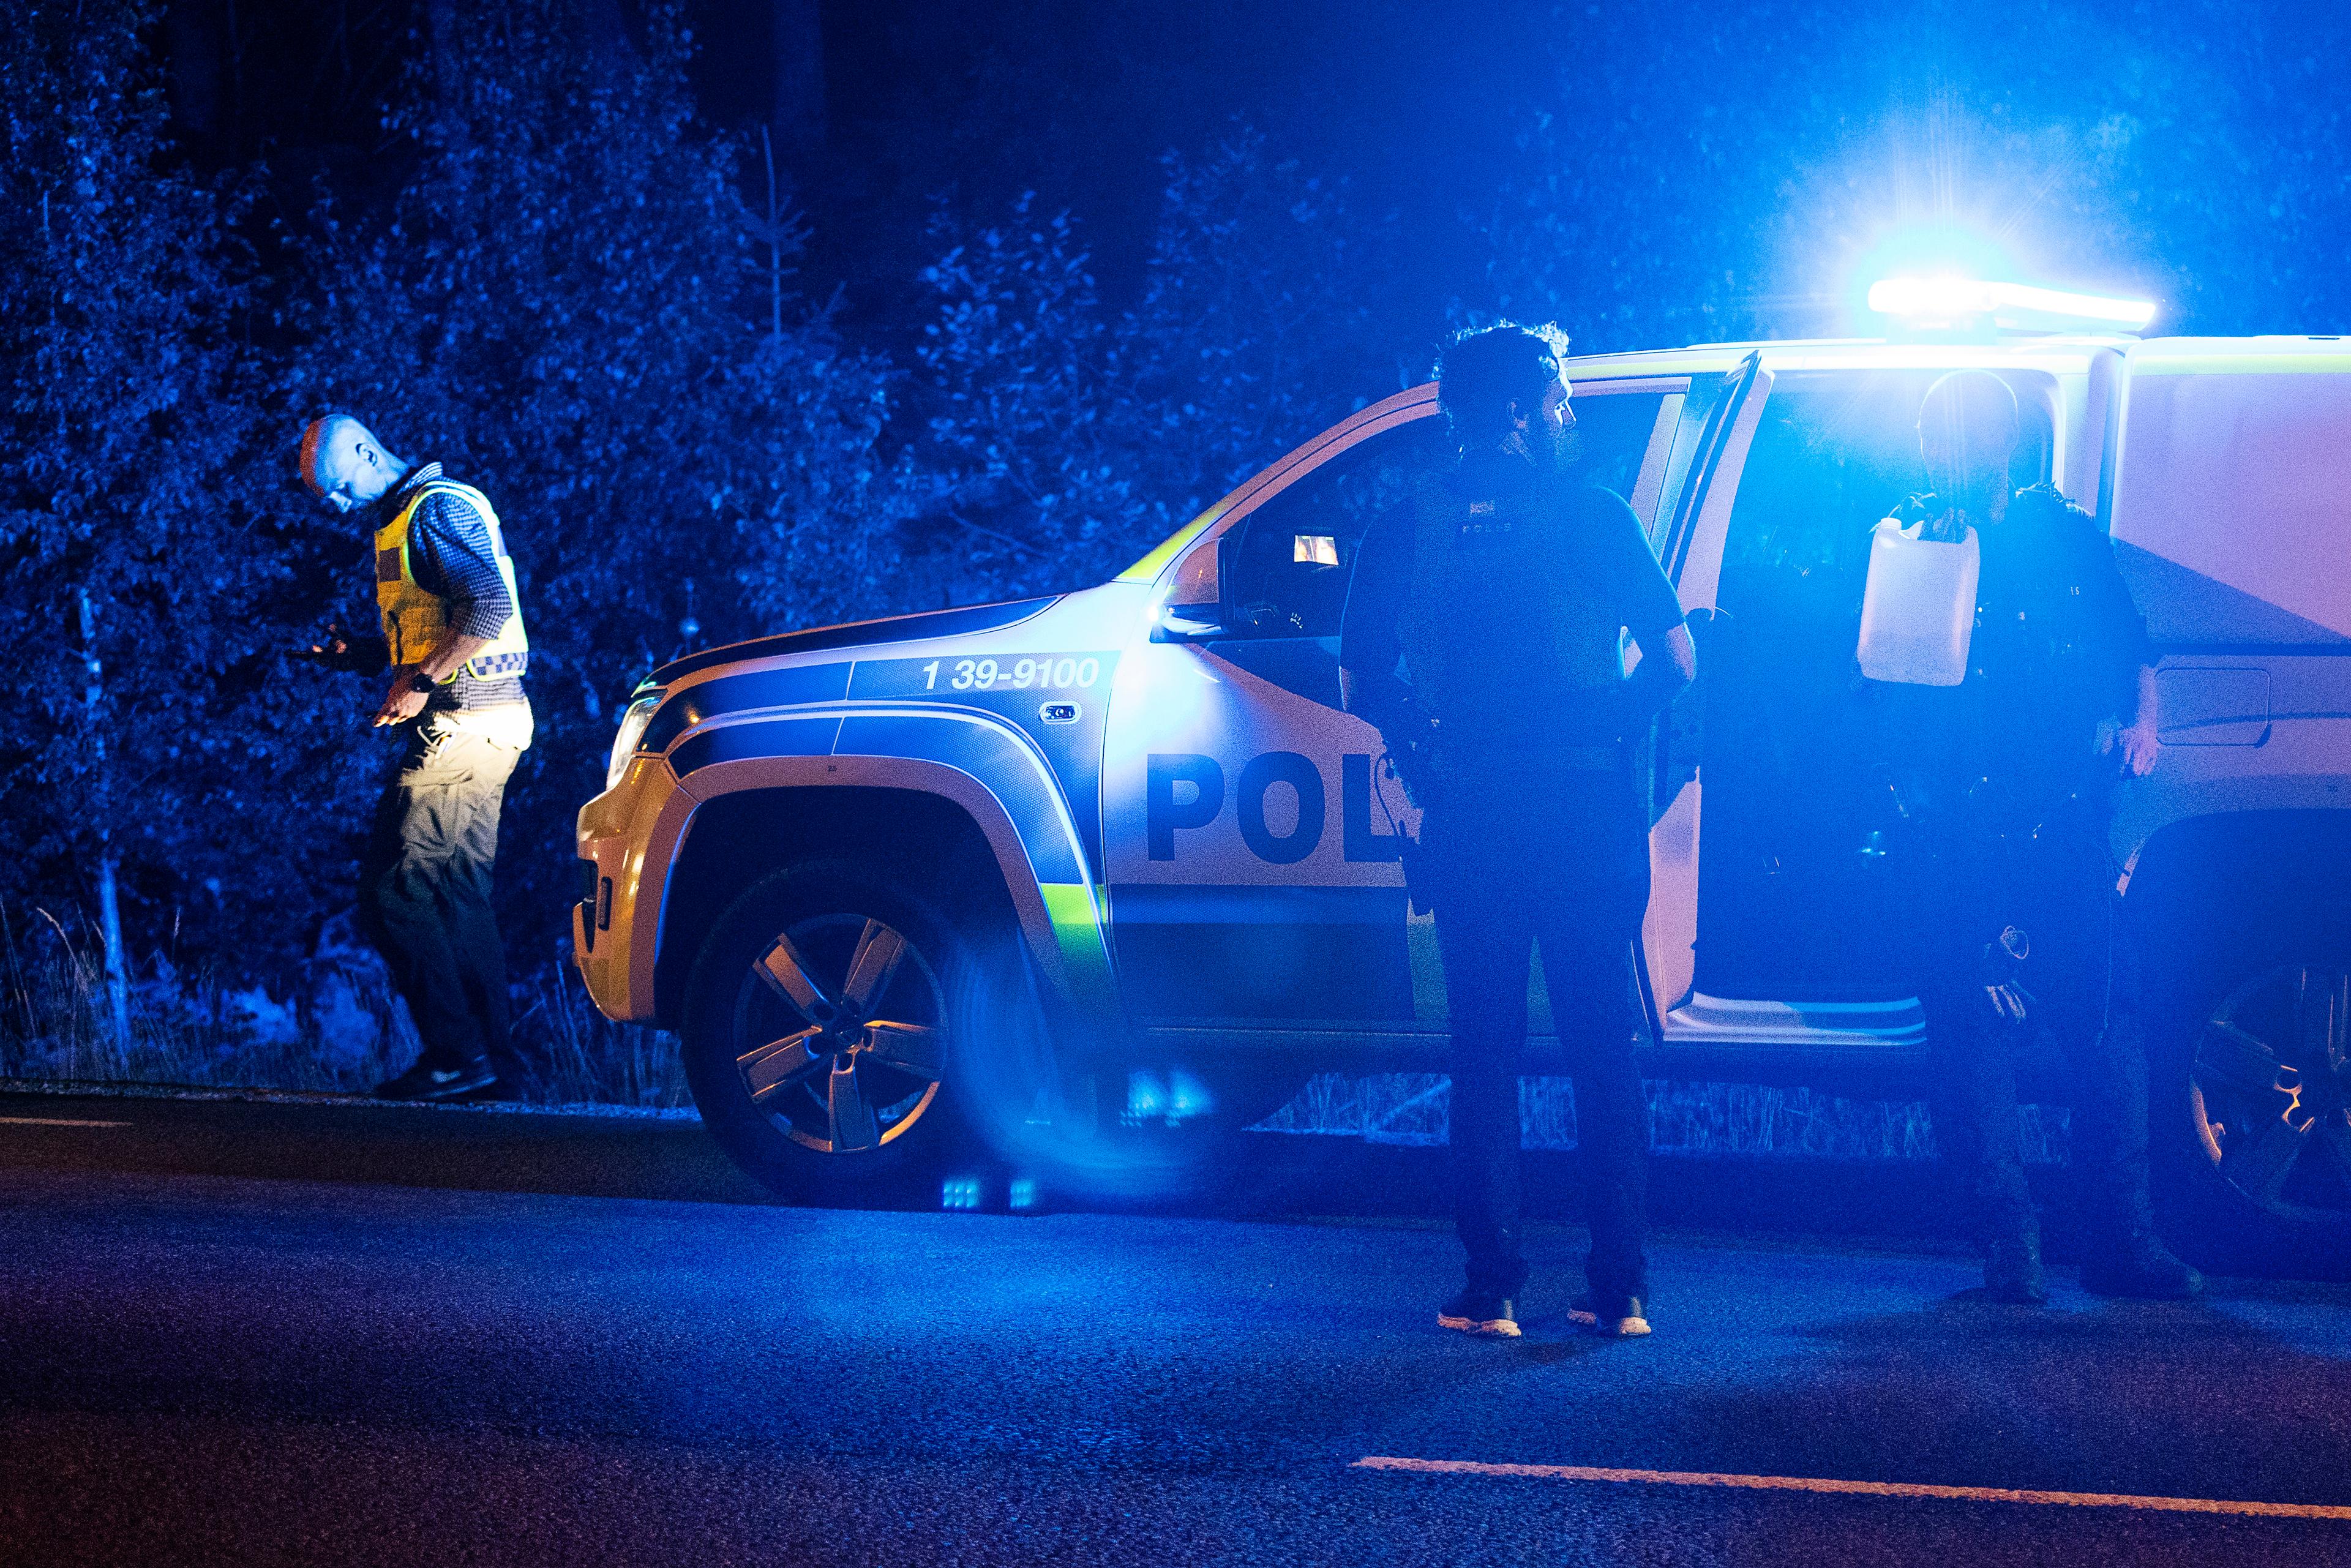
column 452, row 639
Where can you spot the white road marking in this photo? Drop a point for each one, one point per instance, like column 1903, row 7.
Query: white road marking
column 56, row 1122
column 1860, row 1488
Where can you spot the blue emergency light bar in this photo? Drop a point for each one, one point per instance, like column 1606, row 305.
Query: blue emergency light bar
column 1968, row 303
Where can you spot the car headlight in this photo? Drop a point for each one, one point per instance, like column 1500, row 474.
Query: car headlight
column 638, row 713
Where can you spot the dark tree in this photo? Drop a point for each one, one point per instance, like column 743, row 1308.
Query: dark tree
column 137, row 767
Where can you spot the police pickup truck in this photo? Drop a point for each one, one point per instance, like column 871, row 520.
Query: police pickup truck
column 1067, row 873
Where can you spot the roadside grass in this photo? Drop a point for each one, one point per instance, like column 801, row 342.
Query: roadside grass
column 1684, row 1118
column 55, row 1022
column 345, row 1031
column 577, row 1056
column 342, row 1030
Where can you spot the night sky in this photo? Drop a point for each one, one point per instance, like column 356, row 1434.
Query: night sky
column 972, row 102
column 2105, row 145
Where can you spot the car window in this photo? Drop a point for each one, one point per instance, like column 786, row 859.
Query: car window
column 1613, row 431
column 1286, row 564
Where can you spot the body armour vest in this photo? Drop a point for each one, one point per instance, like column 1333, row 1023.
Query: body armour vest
column 414, row 620
column 1505, row 640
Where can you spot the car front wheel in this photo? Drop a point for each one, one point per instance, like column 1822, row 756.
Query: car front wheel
column 2270, row 1093
column 820, row 1035
column 2267, row 1160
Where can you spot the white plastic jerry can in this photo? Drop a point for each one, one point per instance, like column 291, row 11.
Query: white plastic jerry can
column 1919, row 610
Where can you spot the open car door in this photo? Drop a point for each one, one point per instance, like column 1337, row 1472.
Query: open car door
column 1710, row 441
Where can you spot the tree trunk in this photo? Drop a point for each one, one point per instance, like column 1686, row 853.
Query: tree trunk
column 799, row 53
column 775, row 244
column 101, row 811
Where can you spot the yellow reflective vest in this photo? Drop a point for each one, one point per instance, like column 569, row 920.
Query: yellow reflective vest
column 414, row 622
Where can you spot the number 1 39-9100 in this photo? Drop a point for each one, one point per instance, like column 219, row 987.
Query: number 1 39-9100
column 1044, row 673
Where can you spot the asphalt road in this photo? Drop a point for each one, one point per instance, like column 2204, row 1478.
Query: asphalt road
column 237, row 1368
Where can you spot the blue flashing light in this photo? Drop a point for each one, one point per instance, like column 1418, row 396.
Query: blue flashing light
column 960, row 1192
column 1146, row 1098
column 1023, row 1197
column 1187, row 1097
column 1971, row 303
column 1173, row 1100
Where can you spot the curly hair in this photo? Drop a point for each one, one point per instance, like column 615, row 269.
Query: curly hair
column 1486, row 370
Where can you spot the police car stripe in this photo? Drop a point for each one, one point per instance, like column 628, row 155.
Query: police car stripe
column 1281, row 954
column 750, row 741
column 989, row 753
column 1077, row 684
column 1252, row 904
column 866, row 636
column 741, row 693
column 980, row 747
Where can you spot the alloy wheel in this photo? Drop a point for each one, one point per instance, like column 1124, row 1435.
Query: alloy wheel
column 2270, row 1091
column 839, row 1034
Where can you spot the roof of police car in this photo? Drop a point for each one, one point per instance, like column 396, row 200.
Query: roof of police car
column 2068, row 353
column 2064, row 352
column 1924, row 352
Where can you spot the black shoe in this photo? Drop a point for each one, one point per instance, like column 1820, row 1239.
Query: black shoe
column 2143, row 1267
column 474, row 1080
column 1474, row 1312
column 1623, row 1318
column 2012, row 1271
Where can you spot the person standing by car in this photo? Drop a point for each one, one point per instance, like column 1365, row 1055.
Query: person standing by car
column 452, row 639
column 2006, row 781
column 1504, row 592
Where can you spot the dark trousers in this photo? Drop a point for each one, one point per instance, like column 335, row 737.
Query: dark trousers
column 1560, row 864
column 2081, row 1013
column 424, row 891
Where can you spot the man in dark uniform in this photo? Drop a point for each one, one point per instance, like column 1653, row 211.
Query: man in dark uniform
column 1505, row 593
column 2005, row 782
column 452, row 639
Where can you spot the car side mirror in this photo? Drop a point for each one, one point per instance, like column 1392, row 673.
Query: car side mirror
column 1195, row 610
column 1188, row 623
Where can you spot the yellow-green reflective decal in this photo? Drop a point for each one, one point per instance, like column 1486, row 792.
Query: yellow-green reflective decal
column 1149, row 567
column 2240, row 364
column 1077, row 930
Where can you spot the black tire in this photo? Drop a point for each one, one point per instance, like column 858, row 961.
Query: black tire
column 831, row 1071
column 2251, row 1105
